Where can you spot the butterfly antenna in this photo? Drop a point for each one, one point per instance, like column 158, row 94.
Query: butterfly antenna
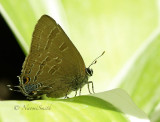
column 95, row 60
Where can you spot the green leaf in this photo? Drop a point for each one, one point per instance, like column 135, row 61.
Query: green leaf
column 142, row 81
column 140, row 76
column 114, row 105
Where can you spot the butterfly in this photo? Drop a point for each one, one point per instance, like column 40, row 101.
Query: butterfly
column 53, row 66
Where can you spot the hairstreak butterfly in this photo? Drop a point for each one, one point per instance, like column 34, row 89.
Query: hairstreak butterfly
column 53, row 66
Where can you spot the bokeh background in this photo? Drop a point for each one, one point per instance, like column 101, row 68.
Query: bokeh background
column 127, row 30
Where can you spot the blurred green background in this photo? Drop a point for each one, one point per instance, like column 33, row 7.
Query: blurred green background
column 128, row 30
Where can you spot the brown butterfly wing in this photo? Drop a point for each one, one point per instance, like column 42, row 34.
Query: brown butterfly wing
column 53, row 59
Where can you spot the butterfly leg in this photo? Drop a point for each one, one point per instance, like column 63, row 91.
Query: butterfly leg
column 88, row 88
column 92, row 87
column 80, row 91
column 75, row 93
column 66, row 97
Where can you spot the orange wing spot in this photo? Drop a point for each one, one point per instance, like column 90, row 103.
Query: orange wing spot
column 27, row 79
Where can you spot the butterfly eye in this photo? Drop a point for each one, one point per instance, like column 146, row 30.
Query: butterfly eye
column 89, row 71
column 26, row 80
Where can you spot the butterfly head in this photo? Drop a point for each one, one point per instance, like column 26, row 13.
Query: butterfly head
column 89, row 71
